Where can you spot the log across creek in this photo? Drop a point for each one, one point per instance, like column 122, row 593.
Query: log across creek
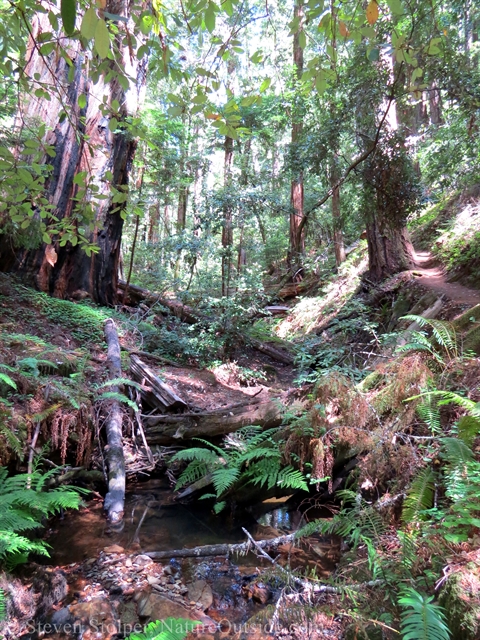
column 168, row 429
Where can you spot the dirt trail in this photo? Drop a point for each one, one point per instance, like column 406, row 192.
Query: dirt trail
column 432, row 276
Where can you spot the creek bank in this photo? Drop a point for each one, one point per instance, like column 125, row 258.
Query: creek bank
column 108, row 596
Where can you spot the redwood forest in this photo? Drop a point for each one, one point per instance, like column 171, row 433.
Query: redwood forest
column 240, row 320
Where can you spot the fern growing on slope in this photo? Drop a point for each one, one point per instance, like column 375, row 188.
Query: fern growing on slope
column 248, row 456
column 23, row 503
column 444, row 338
column 421, row 618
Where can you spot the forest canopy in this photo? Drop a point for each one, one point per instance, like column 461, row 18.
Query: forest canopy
column 258, row 135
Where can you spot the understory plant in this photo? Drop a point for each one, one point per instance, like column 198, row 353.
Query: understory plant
column 248, row 456
column 169, row 629
column 24, row 503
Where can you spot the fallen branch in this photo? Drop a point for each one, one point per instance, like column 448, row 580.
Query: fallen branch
column 115, row 498
column 209, row 550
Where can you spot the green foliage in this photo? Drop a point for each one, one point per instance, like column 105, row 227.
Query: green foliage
column 24, row 502
column 169, row 629
column 419, row 496
column 247, row 456
column 443, row 341
column 421, row 618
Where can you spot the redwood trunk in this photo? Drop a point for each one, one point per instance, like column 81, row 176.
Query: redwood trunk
column 82, row 143
column 297, row 235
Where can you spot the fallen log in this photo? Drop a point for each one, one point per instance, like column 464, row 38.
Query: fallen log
column 154, row 391
column 281, row 356
column 137, row 294
column 188, row 315
column 115, row 498
column 169, row 429
column 209, row 550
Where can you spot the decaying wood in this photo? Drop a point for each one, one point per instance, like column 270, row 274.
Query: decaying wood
column 188, row 315
column 169, row 429
column 137, row 294
column 155, row 392
column 209, row 550
column 115, row 498
column 152, row 356
column 281, row 356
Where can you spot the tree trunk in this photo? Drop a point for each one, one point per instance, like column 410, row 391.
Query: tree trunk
column 338, row 243
column 389, row 249
column 82, row 142
column 227, row 231
column 297, row 235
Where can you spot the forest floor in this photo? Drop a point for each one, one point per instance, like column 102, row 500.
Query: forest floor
column 55, row 353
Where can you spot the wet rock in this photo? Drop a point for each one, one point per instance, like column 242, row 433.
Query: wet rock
column 61, row 618
column 97, row 617
column 128, row 615
column 142, row 561
column 114, row 548
column 154, row 606
column 52, row 586
column 200, row 593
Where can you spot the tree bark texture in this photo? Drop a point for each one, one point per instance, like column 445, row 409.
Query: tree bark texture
column 115, row 498
column 171, row 429
column 82, row 142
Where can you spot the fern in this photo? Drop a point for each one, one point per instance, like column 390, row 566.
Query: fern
column 120, row 381
column 421, row 618
column 114, row 395
column 429, row 412
column 456, row 452
column 248, row 456
column 169, row 629
column 468, row 427
column 7, row 380
column 443, row 333
column 23, row 505
column 419, row 497
column 3, row 606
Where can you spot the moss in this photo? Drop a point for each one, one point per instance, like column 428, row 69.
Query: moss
column 460, row 599
column 471, row 341
column 371, row 381
column 469, row 316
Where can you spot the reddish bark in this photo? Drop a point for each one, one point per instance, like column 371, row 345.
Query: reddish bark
column 104, row 152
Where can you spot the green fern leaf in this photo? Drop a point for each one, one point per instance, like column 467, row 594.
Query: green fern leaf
column 169, row 629
column 456, row 452
column 224, row 478
column 468, row 429
column 419, row 497
column 115, row 382
column 7, row 380
column 113, row 395
column 422, row 619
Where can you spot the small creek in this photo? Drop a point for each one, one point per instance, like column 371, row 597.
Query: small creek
column 81, row 539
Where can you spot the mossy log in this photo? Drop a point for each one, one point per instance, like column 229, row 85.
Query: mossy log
column 169, row 429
